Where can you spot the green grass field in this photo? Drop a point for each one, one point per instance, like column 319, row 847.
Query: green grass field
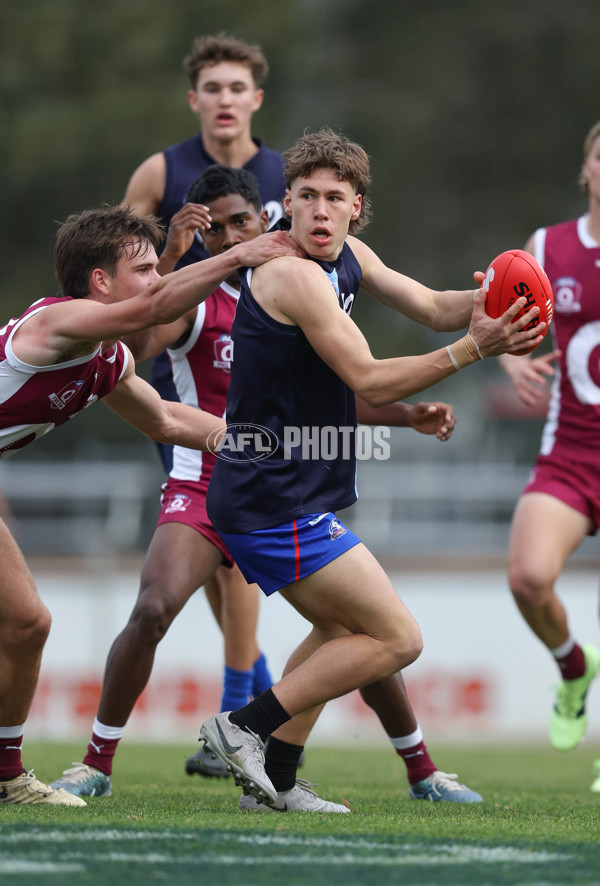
column 540, row 824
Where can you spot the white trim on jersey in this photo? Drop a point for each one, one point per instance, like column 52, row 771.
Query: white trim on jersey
column 11, row 383
column 20, row 366
column 551, row 423
column 18, row 432
column 192, row 338
column 583, row 233
column 539, row 245
column 188, row 463
column 230, row 290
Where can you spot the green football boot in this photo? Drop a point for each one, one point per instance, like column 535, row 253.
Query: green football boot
column 568, row 721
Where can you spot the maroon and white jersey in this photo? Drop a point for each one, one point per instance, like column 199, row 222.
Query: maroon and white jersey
column 201, row 371
column 571, row 258
column 36, row 399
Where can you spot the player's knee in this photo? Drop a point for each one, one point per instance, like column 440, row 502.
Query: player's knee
column 413, row 647
column 29, row 631
column 152, row 618
column 405, row 648
column 528, row 586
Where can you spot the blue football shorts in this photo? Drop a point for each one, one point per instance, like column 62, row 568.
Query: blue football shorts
column 283, row 554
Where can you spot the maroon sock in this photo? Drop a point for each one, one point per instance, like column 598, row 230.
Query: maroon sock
column 10, row 758
column 100, row 753
column 419, row 764
column 572, row 665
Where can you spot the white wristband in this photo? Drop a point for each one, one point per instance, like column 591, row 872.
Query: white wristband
column 479, row 354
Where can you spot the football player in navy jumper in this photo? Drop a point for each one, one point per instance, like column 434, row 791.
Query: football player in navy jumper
column 298, row 361
column 226, row 77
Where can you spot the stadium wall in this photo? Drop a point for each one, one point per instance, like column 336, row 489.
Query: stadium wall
column 482, row 675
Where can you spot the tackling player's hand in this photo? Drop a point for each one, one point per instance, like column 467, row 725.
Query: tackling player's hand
column 273, row 244
column 433, row 418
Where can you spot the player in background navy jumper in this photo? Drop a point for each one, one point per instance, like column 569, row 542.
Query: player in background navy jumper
column 280, row 524
column 226, row 77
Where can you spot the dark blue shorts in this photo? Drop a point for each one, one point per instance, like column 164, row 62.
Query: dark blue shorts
column 283, row 554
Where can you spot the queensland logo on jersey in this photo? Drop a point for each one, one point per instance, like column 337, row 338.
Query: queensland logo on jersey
column 243, row 442
column 223, row 353
column 567, row 295
column 336, row 530
column 60, row 399
column 177, row 504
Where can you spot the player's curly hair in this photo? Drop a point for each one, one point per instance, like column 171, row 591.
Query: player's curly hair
column 329, row 149
column 98, row 238
column 587, row 147
column 222, row 47
column 219, row 181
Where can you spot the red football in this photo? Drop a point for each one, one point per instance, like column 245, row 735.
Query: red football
column 513, row 274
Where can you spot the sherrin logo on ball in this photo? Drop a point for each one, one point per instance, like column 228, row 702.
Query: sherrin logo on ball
column 513, row 274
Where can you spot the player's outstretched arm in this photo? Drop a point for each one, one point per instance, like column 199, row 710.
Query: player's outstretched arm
column 428, row 418
column 442, row 311
column 298, row 292
column 50, row 334
column 151, row 342
column 161, row 420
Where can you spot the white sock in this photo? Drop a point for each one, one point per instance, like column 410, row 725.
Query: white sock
column 103, row 731
column 12, row 731
column 562, row 651
column 408, row 741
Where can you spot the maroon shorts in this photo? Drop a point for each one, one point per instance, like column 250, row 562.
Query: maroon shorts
column 575, row 483
column 184, row 501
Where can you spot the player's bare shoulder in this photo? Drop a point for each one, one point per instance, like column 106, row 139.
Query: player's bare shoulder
column 288, row 270
column 282, row 285
column 146, row 187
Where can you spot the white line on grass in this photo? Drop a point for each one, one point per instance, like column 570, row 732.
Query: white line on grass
column 25, row 866
column 364, row 851
column 462, row 851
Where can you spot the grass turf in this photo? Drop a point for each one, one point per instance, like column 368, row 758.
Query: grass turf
column 539, row 824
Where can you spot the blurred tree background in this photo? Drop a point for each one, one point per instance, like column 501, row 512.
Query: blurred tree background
column 473, row 114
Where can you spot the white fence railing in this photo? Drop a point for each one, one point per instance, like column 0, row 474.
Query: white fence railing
column 80, row 507
column 404, row 508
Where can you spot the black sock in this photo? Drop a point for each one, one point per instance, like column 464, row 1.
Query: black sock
column 281, row 763
column 262, row 716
